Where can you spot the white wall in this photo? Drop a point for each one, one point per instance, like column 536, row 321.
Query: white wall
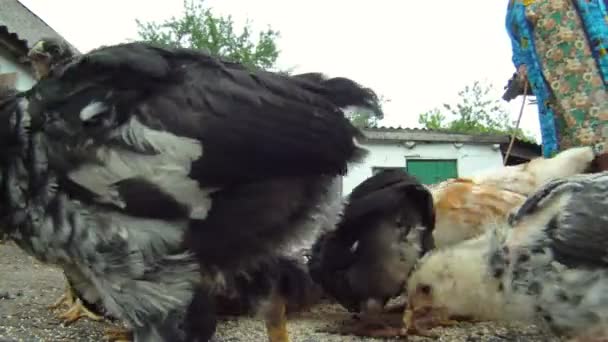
column 8, row 64
column 470, row 158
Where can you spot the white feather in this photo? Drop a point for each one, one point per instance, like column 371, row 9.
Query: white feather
column 168, row 168
column 92, row 109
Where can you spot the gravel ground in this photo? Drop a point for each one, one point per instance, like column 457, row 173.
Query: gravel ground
column 27, row 287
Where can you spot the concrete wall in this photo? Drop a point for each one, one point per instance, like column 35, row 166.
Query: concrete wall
column 8, row 65
column 470, row 158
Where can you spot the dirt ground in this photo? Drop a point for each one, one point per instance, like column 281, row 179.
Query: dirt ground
column 28, row 287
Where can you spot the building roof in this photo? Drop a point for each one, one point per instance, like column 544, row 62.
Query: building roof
column 400, row 134
column 22, row 28
column 521, row 151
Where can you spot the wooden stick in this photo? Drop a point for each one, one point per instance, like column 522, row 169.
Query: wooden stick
column 521, row 112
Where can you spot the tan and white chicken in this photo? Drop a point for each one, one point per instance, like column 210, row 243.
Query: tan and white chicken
column 466, row 207
column 465, row 210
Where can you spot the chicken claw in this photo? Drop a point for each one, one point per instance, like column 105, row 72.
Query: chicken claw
column 66, row 298
column 276, row 320
column 77, row 311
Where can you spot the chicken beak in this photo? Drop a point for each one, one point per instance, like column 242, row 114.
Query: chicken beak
column 408, row 318
column 418, row 320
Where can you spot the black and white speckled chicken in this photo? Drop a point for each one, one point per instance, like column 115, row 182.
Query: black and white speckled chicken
column 132, row 156
column 44, row 55
column 556, row 254
column 386, row 227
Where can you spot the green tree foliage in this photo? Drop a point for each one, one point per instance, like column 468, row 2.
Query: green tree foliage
column 199, row 28
column 477, row 112
column 366, row 119
column 363, row 119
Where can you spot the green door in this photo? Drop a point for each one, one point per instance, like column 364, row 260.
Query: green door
column 432, row 171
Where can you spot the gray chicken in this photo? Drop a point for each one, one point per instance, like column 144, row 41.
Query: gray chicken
column 556, row 253
column 386, row 227
column 47, row 53
column 158, row 173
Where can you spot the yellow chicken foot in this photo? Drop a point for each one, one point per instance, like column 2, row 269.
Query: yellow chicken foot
column 276, row 320
column 66, row 298
column 78, row 311
column 118, row 334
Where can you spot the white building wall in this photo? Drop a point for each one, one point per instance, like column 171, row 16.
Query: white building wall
column 8, row 65
column 470, row 158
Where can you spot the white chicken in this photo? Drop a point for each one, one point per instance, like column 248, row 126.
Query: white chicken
column 458, row 282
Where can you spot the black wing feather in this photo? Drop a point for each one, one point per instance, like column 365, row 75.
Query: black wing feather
column 541, row 197
column 252, row 124
column 579, row 234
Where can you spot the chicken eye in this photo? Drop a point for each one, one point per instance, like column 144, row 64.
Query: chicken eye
column 425, row 289
column 97, row 120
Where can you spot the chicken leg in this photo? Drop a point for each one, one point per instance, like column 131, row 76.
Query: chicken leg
column 76, row 308
column 78, row 311
column 118, row 334
column 66, row 298
column 276, row 319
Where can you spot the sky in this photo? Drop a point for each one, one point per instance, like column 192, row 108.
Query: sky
column 418, row 54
